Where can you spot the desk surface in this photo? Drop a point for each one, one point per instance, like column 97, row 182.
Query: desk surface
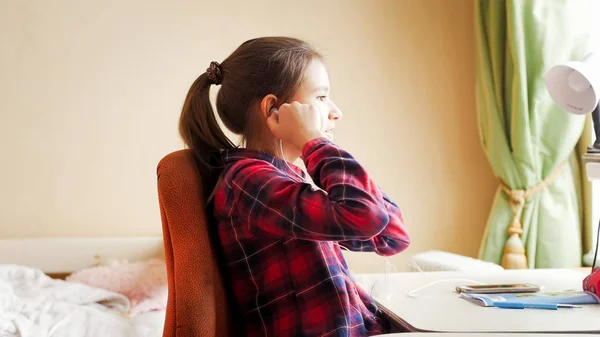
column 438, row 308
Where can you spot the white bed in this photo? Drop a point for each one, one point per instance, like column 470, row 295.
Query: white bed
column 34, row 304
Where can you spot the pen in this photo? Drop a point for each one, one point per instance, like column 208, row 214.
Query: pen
column 548, row 306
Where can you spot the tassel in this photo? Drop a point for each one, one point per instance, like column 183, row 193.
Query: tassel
column 514, row 253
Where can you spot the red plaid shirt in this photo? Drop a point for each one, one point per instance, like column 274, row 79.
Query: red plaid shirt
column 280, row 236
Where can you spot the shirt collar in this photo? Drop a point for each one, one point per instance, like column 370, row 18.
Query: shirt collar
column 233, row 155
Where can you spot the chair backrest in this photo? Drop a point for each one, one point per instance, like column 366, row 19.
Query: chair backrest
column 197, row 304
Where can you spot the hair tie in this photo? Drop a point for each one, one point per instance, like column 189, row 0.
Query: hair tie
column 214, row 73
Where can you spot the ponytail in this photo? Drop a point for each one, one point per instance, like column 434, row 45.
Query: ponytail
column 201, row 133
column 198, row 125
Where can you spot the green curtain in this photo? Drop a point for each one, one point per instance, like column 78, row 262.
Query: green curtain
column 524, row 134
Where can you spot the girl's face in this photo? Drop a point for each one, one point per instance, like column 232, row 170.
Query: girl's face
column 314, row 90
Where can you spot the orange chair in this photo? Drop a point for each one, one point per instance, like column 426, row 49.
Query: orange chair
column 198, row 303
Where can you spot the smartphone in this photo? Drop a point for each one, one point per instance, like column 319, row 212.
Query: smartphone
column 499, row 288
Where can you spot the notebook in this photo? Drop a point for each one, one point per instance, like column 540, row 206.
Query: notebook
column 561, row 297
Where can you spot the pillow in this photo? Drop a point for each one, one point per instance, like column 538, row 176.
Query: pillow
column 144, row 283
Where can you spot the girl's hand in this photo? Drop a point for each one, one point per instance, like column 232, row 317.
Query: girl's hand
column 296, row 123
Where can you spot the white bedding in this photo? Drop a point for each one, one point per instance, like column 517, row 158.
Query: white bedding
column 33, row 304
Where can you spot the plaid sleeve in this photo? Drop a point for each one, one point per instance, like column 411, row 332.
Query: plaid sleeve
column 350, row 207
column 392, row 240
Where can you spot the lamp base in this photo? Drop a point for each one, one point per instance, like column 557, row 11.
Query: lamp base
column 591, row 161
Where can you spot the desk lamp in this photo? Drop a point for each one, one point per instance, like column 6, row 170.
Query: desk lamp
column 575, row 87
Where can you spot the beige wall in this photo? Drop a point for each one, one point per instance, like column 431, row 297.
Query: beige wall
column 91, row 92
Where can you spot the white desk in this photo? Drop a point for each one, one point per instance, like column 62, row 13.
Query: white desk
column 439, row 309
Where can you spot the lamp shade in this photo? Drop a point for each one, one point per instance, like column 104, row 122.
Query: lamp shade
column 575, row 86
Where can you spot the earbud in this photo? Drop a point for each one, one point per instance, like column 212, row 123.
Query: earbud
column 273, row 111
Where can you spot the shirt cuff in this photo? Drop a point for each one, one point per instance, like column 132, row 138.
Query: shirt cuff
column 313, row 145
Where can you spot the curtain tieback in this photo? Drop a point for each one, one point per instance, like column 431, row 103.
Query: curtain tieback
column 514, row 256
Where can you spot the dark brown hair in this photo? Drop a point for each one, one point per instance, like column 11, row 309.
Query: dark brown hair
column 259, row 67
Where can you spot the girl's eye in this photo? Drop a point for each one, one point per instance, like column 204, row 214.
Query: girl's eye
column 321, row 98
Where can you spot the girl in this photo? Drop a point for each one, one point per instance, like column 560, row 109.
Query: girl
column 280, row 234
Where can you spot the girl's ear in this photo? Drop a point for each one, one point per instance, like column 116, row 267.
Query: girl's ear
column 268, row 102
